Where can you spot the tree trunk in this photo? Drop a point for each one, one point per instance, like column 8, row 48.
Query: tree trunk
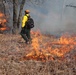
column 2, row 7
column 15, row 10
column 20, row 13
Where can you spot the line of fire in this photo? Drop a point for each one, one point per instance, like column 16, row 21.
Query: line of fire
column 56, row 48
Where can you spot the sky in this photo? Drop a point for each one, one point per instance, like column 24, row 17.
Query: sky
column 53, row 17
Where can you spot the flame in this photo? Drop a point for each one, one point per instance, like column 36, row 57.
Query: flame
column 1, row 14
column 44, row 49
column 35, row 44
column 3, row 22
column 3, row 29
column 67, row 40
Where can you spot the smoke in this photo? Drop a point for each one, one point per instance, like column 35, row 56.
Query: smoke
column 53, row 17
column 50, row 23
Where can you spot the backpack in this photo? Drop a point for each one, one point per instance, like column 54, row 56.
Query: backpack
column 30, row 23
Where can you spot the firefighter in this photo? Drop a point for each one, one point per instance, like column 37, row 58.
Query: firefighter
column 25, row 33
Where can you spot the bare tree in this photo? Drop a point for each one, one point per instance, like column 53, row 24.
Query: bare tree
column 2, row 6
column 18, row 15
column 15, row 7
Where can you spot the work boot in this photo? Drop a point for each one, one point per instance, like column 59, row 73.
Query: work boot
column 27, row 42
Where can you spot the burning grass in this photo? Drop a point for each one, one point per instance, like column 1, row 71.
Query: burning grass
column 3, row 22
column 47, row 55
column 46, row 50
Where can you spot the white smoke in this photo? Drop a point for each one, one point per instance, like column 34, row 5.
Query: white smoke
column 54, row 17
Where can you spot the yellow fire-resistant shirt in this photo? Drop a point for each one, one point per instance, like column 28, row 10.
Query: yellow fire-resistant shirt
column 24, row 19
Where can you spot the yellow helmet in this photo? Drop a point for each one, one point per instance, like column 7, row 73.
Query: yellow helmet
column 27, row 11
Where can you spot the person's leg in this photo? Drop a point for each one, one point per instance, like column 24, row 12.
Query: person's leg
column 24, row 36
column 28, row 35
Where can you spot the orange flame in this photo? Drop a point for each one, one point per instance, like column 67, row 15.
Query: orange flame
column 3, row 22
column 44, row 49
column 1, row 15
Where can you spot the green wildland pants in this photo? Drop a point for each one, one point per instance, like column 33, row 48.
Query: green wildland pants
column 25, row 33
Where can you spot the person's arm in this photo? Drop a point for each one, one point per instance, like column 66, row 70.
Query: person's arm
column 24, row 21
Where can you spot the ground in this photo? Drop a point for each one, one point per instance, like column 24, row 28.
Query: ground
column 13, row 61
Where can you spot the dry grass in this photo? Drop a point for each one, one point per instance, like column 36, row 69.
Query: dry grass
column 13, row 48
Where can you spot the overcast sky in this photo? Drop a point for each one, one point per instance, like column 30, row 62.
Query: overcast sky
column 54, row 17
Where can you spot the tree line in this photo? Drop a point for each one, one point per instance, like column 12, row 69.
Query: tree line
column 17, row 13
